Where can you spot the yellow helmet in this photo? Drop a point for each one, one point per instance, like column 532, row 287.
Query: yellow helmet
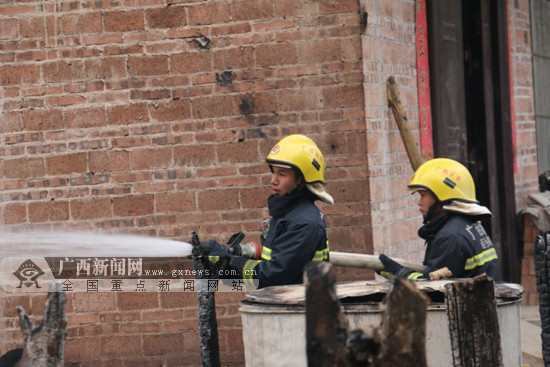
column 299, row 152
column 447, row 179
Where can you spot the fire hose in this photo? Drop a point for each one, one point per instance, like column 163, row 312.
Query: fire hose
column 346, row 259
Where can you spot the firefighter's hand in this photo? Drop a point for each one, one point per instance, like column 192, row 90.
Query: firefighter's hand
column 390, row 267
column 213, row 248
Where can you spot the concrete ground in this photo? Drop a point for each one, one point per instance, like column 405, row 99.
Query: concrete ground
column 531, row 342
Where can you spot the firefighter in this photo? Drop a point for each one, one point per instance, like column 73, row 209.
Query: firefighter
column 296, row 232
column 452, row 229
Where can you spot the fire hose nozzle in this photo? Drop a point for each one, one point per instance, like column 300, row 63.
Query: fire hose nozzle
column 251, row 250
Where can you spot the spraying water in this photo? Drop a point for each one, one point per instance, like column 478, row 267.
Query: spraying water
column 29, row 259
column 87, row 244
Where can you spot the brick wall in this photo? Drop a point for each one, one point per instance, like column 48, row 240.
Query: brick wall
column 389, row 50
column 154, row 117
column 526, row 175
column 528, row 274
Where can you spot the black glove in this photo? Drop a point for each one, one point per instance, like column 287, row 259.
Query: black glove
column 393, row 267
column 213, row 248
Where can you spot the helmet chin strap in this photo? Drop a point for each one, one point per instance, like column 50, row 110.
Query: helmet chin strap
column 296, row 188
column 433, row 211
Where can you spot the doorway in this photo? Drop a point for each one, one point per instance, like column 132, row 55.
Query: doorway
column 470, row 97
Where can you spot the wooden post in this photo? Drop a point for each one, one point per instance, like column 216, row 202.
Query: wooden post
column 403, row 124
column 326, row 325
column 45, row 343
column 473, row 322
column 403, row 327
column 399, row 341
column 542, row 270
column 208, row 324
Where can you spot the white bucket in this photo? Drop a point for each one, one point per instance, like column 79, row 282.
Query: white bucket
column 274, row 325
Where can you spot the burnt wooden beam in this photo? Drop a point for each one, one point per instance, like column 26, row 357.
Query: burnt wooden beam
column 45, row 343
column 542, row 271
column 398, row 341
column 208, row 324
column 394, row 101
column 473, row 322
column 403, row 327
column 326, row 325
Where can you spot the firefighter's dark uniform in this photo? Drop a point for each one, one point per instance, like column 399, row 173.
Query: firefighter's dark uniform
column 459, row 243
column 296, row 236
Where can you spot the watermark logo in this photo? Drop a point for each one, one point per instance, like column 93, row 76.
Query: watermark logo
column 28, row 273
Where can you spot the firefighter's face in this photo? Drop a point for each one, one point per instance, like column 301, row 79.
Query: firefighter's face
column 283, row 180
column 425, row 201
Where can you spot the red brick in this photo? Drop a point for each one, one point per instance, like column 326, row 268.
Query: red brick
column 219, row 106
column 192, row 156
column 323, row 50
column 337, row 6
column 127, row 114
column 19, row 74
column 240, row 152
column 82, row 349
column 255, row 197
column 218, row 200
column 137, row 301
column 109, row 161
column 32, row 27
column 242, row 10
column 178, row 300
column 67, row 163
column 172, row 111
column 122, row 21
column 11, row 122
column 63, row 71
column 94, row 302
column 10, row 302
column 148, row 65
column 90, row 208
column 49, row 211
column 276, row 54
column 174, row 202
column 151, row 158
column 160, row 315
column 141, row 328
column 133, row 205
column 120, row 346
column 105, row 68
column 162, row 344
column 234, row 58
column 350, row 96
column 209, row 14
column 292, row 100
column 166, row 17
column 24, row 168
column 191, row 342
column 80, row 23
column 15, row 213
column 83, row 118
column 291, row 8
column 191, row 62
column 51, row 119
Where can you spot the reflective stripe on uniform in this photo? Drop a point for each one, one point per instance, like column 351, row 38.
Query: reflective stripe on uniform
column 248, row 271
column 481, row 259
column 213, row 259
column 414, row 275
column 266, row 253
column 321, row 255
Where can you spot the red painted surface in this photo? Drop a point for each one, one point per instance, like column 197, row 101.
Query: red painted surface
column 423, row 80
column 511, row 73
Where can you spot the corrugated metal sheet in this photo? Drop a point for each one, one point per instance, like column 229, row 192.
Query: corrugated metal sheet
column 540, row 27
